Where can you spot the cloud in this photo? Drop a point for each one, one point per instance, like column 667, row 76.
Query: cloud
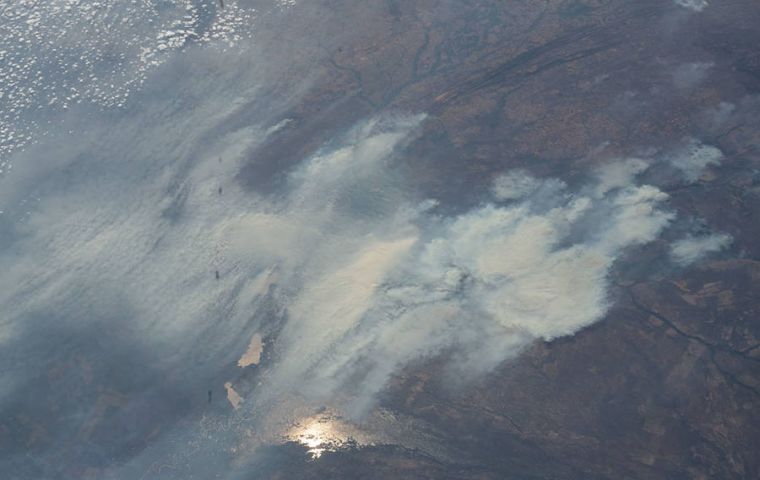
column 691, row 248
column 694, row 158
column 520, row 185
column 514, row 185
column 695, row 5
column 619, row 174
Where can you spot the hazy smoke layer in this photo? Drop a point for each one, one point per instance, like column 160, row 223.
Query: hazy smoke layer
column 368, row 277
column 373, row 280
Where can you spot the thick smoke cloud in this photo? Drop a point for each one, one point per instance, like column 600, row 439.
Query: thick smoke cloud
column 373, row 279
column 692, row 160
column 691, row 249
column 368, row 278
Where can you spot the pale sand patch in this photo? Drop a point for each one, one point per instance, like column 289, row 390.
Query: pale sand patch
column 232, row 396
column 252, row 356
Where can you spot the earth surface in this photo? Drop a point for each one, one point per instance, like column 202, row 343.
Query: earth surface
column 453, row 239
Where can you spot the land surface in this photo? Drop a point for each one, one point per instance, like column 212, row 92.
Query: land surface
column 668, row 384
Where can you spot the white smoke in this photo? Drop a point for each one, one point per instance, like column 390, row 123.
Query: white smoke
column 369, row 278
column 374, row 280
column 514, row 185
column 694, row 158
column 695, row 5
column 691, row 249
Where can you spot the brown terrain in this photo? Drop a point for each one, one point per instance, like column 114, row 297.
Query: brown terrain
column 667, row 386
